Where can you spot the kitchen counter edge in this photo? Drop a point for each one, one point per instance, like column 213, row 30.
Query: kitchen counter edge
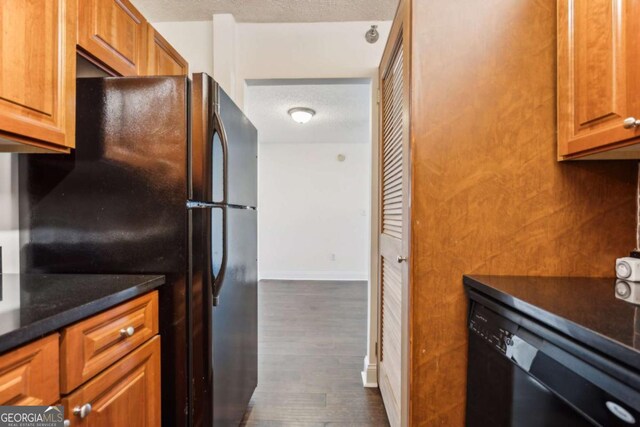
column 38, row 329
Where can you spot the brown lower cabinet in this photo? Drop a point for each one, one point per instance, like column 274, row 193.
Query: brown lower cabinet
column 126, row 394
column 104, row 370
column 29, row 375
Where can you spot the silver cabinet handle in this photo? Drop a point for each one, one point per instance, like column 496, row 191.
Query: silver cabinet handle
column 631, row 123
column 82, row 411
column 401, row 259
column 67, row 423
column 127, row 332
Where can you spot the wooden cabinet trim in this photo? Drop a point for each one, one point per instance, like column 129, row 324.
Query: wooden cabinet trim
column 29, row 375
column 91, row 345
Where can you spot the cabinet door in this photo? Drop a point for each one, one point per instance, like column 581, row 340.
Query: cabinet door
column 37, row 74
column 29, row 375
column 163, row 59
column 598, row 78
column 127, row 394
column 114, row 33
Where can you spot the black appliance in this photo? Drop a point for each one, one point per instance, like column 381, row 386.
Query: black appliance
column 522, row 373
column 163, row 180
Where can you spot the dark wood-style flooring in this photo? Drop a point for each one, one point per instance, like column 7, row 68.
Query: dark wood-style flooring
column 312, row 341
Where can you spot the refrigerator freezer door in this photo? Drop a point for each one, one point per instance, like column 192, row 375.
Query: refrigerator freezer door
column 224, row 147
column 235, row 323
column 242, row 155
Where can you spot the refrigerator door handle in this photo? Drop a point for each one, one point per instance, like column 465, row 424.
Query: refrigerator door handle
column 218, row 127
column 215, row 280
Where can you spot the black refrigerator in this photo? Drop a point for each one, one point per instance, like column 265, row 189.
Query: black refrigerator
column 163, row 180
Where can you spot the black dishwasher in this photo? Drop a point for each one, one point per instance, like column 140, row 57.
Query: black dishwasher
column 517, row 377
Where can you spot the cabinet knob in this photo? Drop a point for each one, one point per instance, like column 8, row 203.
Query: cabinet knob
column 401, row 258
column 67, row 423
column 82, row 411
column 127, row 332
column 631, row 123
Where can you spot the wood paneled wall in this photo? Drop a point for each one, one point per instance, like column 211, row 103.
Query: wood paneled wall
column 488, row 196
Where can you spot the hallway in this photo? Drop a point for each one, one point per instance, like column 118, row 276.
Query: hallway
column 312, row 339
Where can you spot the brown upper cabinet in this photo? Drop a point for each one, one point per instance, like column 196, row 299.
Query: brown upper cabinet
column 598, row 79
column 38, row 44
column 37, row 75
column 163, row 59
column 114, row 33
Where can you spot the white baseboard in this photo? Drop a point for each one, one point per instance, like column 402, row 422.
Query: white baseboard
column 313, row 275
column 369, row 374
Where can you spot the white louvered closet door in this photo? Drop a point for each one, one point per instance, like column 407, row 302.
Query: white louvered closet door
column 393, row 276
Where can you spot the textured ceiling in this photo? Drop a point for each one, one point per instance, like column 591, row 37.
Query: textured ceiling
column 269, row 10
column 342, row 112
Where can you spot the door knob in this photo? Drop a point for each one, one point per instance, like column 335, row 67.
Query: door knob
column 631, row 123
column 127, row 332
column 82, row 411
column 401, row 258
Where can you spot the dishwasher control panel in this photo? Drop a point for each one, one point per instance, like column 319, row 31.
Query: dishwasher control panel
column 494, row 329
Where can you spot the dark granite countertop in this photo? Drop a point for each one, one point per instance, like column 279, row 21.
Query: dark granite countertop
column 586, row 310
column 32, row 306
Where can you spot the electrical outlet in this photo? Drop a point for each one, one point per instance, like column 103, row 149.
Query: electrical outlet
column 332, row 257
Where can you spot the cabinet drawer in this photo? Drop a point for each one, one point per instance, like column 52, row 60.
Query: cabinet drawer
column 127, row 394
column 29, row 375
column 92, row 345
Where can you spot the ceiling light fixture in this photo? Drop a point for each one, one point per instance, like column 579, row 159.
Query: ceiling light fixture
column 301, row 115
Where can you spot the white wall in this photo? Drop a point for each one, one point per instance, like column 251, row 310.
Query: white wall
column 246, row 51
column 9, row 228
column 313, row 207
column 225, row 53
column 306, row 50
column 193, row 40
column 313, row 211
